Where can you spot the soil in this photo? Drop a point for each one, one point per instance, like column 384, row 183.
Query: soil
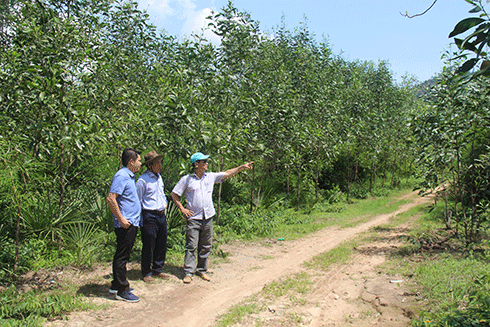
column 354, row 294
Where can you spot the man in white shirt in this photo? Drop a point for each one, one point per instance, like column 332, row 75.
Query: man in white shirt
column 198, row 190
column 153, row 224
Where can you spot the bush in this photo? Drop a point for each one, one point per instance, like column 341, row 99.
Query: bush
column 327, row 207
column 34, row 254
column 380, row 192
column 239, row 221
column 477, row 311
column 333, row 195
column 175, row 228
column 359, row 193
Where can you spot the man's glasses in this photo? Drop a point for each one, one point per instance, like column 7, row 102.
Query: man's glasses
column 202, row 161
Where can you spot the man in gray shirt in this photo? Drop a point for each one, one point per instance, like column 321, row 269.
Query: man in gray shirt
column 198, row 190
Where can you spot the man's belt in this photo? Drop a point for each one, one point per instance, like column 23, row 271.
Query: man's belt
column 155, row 212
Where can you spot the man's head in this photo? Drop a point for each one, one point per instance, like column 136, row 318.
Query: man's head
column 199, row 160
column 153, row 162
column 131, row 159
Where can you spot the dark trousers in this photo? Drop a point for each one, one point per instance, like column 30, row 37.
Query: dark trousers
column 154, row 238
column 124, row 244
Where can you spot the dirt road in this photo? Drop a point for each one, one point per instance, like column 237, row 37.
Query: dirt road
column 354, row 294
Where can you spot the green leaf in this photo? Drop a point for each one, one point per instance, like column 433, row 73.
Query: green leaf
column 476, row 9
column 465, row 25
column 468, row 65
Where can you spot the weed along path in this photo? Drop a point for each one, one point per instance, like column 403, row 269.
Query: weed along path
column 353, row 294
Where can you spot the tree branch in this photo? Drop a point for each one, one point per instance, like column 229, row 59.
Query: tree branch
column 407, row 15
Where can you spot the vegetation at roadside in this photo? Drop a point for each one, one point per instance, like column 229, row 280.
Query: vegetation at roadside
column 451, row 282
column 32, row 308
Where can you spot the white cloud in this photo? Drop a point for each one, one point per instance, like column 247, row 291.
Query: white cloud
column 196, row 23
column 180, row 16
column 161, row 8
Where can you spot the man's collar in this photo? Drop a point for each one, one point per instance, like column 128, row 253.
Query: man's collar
column 152, row 173
column 130, row 173
column 194, row 174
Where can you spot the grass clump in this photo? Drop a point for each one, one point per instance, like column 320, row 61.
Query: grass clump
column 295, row 288
column 457, row 291
column 298, row 284
column 32, row 308
column 338, row 255
column 236, row 313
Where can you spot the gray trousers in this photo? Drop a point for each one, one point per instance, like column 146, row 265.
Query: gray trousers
column 199, row 238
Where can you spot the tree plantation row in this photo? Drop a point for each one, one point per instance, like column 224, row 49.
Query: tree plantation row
column 81, row 80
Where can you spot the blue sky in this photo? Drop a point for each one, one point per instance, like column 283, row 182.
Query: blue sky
column 359, row 29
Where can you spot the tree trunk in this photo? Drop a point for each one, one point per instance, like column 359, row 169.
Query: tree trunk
column 372, row 178
column 62, row 189
column 356, row 171
column 62, row 186
column 169, row 167
column 348, row 181
column 317, row 177
column 252, row 190
column 17, row 224
column 448, row 214
column 287, row 180
column 298, row 192
column 219, row 195
column 393, row 173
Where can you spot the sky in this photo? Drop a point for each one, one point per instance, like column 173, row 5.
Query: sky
column 355, row 29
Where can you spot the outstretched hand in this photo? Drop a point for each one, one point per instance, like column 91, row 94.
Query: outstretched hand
column 248, row 165
column 232, row 172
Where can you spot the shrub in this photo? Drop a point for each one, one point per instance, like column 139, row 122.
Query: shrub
column 239, row 221
column 359, row 193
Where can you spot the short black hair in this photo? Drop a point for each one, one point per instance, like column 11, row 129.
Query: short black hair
column 128, row 155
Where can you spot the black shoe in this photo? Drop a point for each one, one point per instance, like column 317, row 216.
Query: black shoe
column 127, row 296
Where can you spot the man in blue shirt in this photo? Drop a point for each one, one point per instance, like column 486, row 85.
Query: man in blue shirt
column 126, row 210
column 153, row 221
column 198, row 190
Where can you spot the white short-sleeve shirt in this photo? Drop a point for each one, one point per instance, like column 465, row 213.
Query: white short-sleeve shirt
column 199, row 193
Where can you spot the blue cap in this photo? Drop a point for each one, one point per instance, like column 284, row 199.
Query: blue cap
column 198, row 156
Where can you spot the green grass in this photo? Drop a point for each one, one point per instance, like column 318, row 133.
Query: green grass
column 300, row 224
column 295, row 287
column 452, row 284
column 363, row 210
column 339, row 255
column 443, row 283
column 298, row 284
column 237, row 312
column 32, row 308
